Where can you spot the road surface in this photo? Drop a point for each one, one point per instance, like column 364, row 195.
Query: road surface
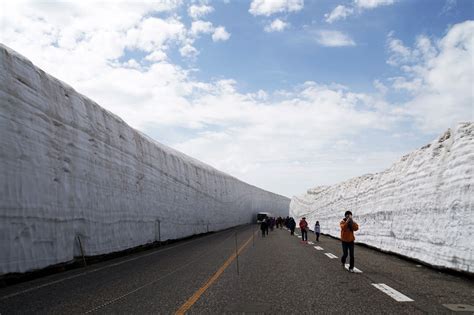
column 275, row 274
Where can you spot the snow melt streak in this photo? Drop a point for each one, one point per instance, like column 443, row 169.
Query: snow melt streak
column 69, row 168
column 422, row 207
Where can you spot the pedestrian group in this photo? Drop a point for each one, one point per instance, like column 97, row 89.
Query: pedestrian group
column 347, row 225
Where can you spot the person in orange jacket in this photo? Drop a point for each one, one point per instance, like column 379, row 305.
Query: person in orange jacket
column 304, row 230
column 348, row 227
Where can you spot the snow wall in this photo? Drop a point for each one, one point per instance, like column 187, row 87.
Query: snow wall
column 421, row 207
column 70, row 168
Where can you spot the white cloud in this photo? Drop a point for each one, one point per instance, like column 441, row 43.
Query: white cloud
column 402, row 83
column 399, row 52
column 132, row 63
column 382, row 88
column 220, row 34
column 156, row 56
column 276, row 26
column 188, row 51
column 448, row 6
column 269, row 7
column 197, row 12
column 104, row 31
column 439, row 76
column 198, row 27
column 254, row 133
column 260, row 95
column 357, row 6
column 340, row 12
column 330, row 38
column 152, row 33
column 372, row 4
column 202, row 27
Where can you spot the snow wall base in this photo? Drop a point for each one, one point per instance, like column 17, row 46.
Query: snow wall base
column 70, row 169
column 422, row 207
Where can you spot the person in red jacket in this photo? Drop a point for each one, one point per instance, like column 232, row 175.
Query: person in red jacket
column 304, row 230
column 348, row 227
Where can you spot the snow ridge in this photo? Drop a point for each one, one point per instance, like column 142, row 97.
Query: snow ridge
column 70, row 169
column 421, row 207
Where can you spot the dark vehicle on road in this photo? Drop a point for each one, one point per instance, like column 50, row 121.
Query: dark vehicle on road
column 261, row 216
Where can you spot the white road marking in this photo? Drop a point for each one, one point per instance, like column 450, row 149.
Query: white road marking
column 459, row 307
column 299, row 236
column 355, row 269
column 318, row 248
column 310, row 243
column 394, row 294
column 332, row 256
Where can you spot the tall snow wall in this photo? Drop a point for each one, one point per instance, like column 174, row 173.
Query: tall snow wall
column 421, row 207
column 70, row 168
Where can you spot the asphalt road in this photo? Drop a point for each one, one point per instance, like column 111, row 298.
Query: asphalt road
column 276, row 274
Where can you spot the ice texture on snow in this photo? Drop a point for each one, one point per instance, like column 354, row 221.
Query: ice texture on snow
column 421, row 207
column 70, row 168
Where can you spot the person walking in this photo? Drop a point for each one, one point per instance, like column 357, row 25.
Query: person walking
column 317, row 230
column 348, row 227
column 272, row 223
column 280, row 222
column 264, row 227
column 304, row 230
column 292, row 226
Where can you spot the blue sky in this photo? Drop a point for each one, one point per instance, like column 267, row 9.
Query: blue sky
column 257, row 59
column 283, row 94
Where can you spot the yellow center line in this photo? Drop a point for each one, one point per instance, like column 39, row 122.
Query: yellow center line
column 193, row 299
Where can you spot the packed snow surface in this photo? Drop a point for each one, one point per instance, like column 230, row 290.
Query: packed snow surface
column 421, row 207
column 71, row 169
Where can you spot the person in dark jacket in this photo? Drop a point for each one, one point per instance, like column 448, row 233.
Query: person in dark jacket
column 292, row 226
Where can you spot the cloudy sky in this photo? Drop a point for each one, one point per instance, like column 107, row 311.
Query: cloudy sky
column 283, row 94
